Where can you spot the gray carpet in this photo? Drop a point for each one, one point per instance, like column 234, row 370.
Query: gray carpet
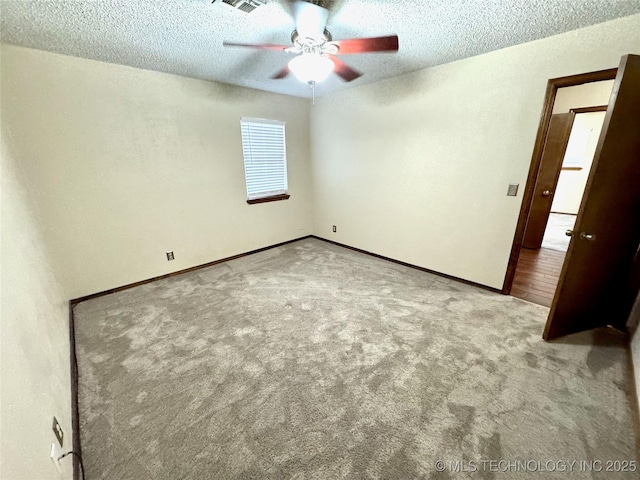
column 311, row 361
column 555, row 236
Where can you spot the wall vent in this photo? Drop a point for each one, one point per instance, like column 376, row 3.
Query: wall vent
column 246, row 6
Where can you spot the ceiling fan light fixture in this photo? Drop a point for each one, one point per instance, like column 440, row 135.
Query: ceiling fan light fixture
column 311, row 67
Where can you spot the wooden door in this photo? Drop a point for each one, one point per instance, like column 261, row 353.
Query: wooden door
column 555, row 146
column 596, row 287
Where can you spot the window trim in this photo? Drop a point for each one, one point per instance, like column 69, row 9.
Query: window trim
column 275, row 196
column 272, row 198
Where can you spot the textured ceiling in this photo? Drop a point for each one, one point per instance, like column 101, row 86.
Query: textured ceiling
column 185, row 36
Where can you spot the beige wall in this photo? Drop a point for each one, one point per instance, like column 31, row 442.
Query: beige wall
column 571, row 183
column 130, row 163
column 34, row 338
column 416, row 167
column 579, row 96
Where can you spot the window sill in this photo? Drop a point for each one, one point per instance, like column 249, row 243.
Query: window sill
column 273, row 198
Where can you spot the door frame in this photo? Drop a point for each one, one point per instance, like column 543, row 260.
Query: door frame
column 527, row 197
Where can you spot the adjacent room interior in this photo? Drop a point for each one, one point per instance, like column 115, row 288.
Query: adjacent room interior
column 559, row 189
column 215, row 265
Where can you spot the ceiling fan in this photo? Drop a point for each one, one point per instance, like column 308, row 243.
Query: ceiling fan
column 315, row 49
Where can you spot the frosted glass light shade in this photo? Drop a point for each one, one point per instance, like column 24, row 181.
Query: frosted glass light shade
column 310, row 67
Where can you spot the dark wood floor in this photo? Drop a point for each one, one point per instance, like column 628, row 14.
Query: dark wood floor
column 537, row 275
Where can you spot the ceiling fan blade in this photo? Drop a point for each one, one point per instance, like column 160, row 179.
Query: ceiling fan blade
column 311, row 19
column 343, row 70
column 364, row 45
column 282, row 73
column 259, row 46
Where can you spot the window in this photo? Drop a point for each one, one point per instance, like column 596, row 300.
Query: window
column 265, row 159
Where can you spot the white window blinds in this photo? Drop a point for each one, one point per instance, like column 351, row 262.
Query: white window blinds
column 265, row 157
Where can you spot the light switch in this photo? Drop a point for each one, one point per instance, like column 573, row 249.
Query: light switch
column 513, row 189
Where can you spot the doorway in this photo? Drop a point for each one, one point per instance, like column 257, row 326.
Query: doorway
column 596, row 286
column 566, row 161
column 533, row 273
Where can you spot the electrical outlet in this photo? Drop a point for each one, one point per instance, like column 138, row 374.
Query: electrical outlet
column 334, row 229
column 55, row 457
column 512, row 191
column 57, row 431
column 170, row 256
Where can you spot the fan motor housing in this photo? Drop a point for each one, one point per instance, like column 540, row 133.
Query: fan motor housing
column 327, row 37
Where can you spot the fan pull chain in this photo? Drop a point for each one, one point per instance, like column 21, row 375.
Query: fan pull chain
column 312, row 85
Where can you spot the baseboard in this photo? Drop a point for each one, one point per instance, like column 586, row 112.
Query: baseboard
column 75, row 412
column 416, row 267
column 75, row 301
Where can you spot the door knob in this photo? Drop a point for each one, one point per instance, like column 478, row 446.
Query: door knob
column 587, row 236
column 546, row 193
column 569, row 233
